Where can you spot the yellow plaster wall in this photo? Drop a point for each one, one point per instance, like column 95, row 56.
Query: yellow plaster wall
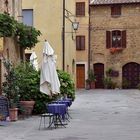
column 48, row 18
column 82, row 56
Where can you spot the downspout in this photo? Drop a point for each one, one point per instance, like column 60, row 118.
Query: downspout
column 63, row 37
column 89, row 37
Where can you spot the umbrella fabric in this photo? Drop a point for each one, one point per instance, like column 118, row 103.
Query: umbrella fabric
column 49, row 82
column 33, row 60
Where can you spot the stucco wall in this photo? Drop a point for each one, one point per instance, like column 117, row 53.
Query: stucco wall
column 48, row 18
column 82, row 56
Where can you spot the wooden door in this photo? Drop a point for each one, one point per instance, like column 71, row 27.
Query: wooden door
column 99, row 73
column 131, row 75
column 80, row 75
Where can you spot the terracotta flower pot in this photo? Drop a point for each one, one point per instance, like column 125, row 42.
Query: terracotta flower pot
column 13, row 114
column 92, row 85
column 27, row 107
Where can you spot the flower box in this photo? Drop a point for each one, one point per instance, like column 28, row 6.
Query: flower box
column 115, row 50
column 113, row 73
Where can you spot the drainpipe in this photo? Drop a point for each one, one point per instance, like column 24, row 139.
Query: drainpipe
column 89, row 37
column 63, row 37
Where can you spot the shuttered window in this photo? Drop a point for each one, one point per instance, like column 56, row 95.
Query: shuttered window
column 116, row 39
column 80, row 8
column 115, row 10
column 80, row 42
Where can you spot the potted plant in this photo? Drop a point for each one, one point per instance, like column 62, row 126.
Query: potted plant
column 88, row 84
column 108, row 83
column 27, row 84
column 11, row 90
column 67, row 87
column 91, row 79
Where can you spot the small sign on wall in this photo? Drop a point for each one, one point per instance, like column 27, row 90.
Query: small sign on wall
column 1, row 47
column 1, row 44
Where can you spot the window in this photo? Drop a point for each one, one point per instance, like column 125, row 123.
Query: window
column 116, row 39
column 28, row 16
column 80, row 8
column 27, row 57
column 80, row 42
column 115, row 10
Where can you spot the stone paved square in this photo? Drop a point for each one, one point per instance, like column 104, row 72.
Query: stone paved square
column 96, row 115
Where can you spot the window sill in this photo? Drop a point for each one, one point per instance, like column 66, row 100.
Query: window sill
column 80, row 15
column 115, row 16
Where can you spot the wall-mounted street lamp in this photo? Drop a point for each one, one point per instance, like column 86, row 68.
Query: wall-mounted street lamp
column 74, row 23
column 67, row 14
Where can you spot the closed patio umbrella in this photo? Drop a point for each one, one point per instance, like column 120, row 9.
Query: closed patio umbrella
column 49, row 81
column 33, row 60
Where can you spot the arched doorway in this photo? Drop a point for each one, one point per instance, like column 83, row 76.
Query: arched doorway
column 130, row 75
column 99, row 74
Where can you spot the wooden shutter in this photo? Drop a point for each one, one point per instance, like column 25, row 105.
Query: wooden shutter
column 77, row 42
column 80, row 9
column 77, row 9
column 82, row 42
column 83, row 9
column 108, row 39
column 124, row 39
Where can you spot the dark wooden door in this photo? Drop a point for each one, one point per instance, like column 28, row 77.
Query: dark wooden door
column 99, row 73
column 80, row 75
column 131, row 75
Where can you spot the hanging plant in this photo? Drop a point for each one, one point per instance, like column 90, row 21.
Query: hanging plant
column 27, row 36
column 7, row 25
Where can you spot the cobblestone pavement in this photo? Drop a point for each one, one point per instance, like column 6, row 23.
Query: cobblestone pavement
column 96, row 115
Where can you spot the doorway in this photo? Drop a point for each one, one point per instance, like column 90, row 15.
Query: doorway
column 99, row 74
column 80, row 75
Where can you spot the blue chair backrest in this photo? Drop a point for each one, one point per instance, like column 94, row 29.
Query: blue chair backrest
column 4, row 107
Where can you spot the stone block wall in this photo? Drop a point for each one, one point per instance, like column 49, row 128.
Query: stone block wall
column 101, row 21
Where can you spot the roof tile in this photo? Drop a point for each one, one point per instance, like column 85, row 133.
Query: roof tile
column 103, row 2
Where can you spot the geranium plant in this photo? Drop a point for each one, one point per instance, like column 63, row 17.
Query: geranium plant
column 115, row 50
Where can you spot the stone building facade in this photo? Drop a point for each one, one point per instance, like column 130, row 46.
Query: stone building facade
column 115, row 42
column 8, row 45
